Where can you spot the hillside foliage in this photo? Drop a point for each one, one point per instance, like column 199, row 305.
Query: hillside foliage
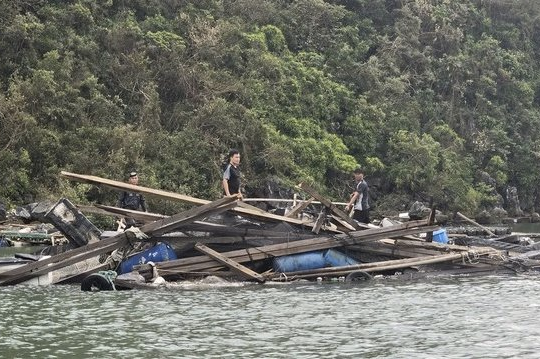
column 430, row 97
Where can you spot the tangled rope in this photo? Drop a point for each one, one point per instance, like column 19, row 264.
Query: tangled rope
column 470, row 257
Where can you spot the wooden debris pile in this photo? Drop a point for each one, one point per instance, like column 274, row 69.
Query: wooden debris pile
column 232, row 239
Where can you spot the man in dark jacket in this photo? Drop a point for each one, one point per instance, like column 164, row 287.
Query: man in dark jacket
column 132, row 200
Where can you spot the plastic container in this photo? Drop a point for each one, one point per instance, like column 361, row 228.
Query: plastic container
column 312, row 260
column 69, row 220
column 440, row 236
column 161, row 252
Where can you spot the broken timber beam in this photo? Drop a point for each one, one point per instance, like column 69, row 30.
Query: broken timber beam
column 320, row 221
column 341, row 224
column 390, row 250
column 476, row 224
column 333, row 208
column 260, row 214
column 235, row 266
column 138, row 215
column 299, row 208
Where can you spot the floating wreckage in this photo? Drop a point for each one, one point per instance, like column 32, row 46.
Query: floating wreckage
column 230, row 240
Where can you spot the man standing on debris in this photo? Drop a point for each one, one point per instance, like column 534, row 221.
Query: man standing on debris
column 132, row 200
column 231, row 174
column 359, row 198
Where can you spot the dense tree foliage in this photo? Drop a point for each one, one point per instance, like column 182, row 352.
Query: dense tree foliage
column 436, row 99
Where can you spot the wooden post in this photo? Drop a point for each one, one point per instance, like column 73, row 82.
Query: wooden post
column 319, row 222
column 429, row 235
column 476, row 224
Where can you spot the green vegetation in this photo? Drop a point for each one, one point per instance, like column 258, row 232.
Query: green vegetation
column 431, row 97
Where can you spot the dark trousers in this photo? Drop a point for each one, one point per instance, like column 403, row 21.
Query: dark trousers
column 361, row 216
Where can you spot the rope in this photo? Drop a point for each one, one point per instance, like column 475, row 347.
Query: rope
column 249, row 255
column 467, row 255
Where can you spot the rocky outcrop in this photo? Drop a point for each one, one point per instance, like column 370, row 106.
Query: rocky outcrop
column 33, row 211
column 512, row 202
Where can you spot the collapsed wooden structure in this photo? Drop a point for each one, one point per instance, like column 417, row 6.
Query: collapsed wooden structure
column 248, row 241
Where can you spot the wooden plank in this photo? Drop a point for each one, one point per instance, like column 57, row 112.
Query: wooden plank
column 138, row 215
column 299, row 208
column 186, row 240
column 235, row 266
column 284, row 200
column 238, row 231
column 379, row 248
column 175, row 196
column 433, row 245
column 429, row 235
column 94, row 209
column 342, row 225
column 45, row 266
column 37, row 268
column 333, row 208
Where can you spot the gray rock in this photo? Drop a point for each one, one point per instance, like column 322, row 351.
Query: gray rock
column 33, row 211
column 418, row 211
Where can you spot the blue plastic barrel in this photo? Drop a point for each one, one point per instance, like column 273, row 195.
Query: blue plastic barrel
column 335, row 258
column 311, row 260
column 440, row 236
column 161, row 252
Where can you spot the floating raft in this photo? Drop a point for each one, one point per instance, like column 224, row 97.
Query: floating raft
column 229, row 239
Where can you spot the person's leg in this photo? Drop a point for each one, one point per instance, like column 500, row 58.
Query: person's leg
column 357, row 215
column 364, row 216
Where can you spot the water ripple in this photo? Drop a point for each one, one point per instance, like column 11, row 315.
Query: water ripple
column 488, row 317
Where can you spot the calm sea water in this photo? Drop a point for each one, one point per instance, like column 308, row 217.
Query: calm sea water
column 526, row 227
column 460, row 317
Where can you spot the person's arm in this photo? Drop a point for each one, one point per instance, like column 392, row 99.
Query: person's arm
column 120, row 202
column 352, row 200
column 143, row 203
column 226, row 187
column 225, row 182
